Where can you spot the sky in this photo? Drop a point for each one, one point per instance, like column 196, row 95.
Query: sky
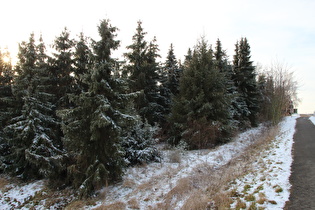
column 280, row 31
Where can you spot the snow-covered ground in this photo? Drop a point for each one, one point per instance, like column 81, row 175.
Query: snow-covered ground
column 312, row 118
column 269, row 183
column 14, row 196
column 147, row 186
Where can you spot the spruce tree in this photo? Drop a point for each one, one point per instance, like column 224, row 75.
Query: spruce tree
column 92, row 127
column 238, row 107
column 199, row 113
column 6, row 95
column 245, row 80
column 35, row 145
column 82, row 62
column 169, row 85
column 62, row 68
column 7, row 103
column 173, row 72
column 143, row 69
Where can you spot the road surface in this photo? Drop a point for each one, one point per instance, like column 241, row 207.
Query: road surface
column 302, row 195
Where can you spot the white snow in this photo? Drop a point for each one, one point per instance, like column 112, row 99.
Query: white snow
column 312, row 118
column 14, row 196
column 274, row 180
column 157, row 179
column 147, row 185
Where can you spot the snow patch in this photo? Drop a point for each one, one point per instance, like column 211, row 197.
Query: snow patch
column 273, row 181
column 312, row 119
column 16, row 196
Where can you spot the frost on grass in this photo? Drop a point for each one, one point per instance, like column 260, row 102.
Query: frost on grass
column 269, row 183
column 169, row 184
column 15, row 196
column 174, row 184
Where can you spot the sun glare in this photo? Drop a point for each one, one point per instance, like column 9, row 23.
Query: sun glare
column 6, row 59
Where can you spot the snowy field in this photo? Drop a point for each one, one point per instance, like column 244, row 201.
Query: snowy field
column 147, row 186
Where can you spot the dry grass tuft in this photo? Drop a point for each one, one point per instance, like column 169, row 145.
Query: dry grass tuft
column 197, row 200
column 272, row 202
column 129, row 183
column 115, row 206
column 133, row 204
column 250, row 197
column 240, row 204
column 182, row 187
column 78, row 204
column 262, row 198
column 3, row 184
column 223, row 200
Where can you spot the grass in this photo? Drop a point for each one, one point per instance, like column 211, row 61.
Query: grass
column 278, row 189
column 205, row 187
column 262, row 198
column 242, row 166
column 4, row 182
column 240, row 204
column 115, row 206
column 246, row 188
column 250, row 197
column 133, row 204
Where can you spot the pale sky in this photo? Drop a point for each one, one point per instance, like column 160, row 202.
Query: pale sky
column 282, row 30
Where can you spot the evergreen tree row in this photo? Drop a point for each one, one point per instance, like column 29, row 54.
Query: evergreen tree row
column 80, row 116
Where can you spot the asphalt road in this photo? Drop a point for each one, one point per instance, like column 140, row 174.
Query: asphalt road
column 302, row 195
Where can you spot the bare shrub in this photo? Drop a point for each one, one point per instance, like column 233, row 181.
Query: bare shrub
column 279, row 90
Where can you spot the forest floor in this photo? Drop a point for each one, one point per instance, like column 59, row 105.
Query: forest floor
column 252, row 171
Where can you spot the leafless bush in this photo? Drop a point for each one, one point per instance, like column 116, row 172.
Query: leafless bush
column 279, row 90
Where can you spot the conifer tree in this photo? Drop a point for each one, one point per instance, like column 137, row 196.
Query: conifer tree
column 7, row 103
column 143, row 70
column 169, row 84
column 173, row 71
column 245, row 80
column 82, row 62
column 91, row 128
column 35, row 146
column 62, row 67
column 199, row 113
column 238, row 107
column 6, row 96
